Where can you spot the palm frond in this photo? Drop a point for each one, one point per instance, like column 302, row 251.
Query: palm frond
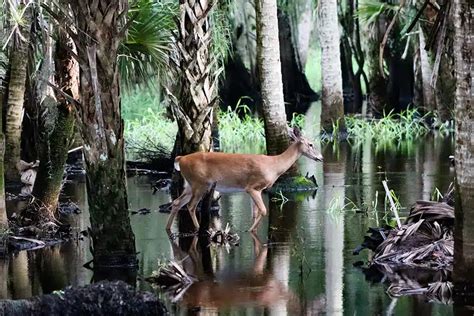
column 144, row 53
column 371, row 10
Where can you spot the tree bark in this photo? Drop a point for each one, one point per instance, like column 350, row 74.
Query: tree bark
column 269, row 71
column 332, row 111
column 56, row 126
column 429, row 102
column 16, row 93
column 197, row 90
column 296, row 89
column 102, row 129
column 3, row 210
column 376, row 99
column 463, row 47
column 464, row 150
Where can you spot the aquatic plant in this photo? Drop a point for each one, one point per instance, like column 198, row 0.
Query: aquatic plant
column 407, row 125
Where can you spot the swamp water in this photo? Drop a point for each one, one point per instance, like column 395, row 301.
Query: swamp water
column 299, row 262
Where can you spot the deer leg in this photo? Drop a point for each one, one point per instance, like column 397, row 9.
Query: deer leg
column 197, row 195
column 262, row 210
column 177, row 204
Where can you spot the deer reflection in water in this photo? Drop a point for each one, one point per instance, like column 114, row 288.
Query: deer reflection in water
column 257, row 287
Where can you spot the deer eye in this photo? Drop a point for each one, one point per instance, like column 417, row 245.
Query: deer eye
column 311, row 145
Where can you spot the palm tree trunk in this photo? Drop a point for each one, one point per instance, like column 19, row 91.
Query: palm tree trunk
column 16, row 93
column 269, row 71
column 197, row 90
column 464, row 151
column 58, row 133
column 332, row 110
column 102, row 129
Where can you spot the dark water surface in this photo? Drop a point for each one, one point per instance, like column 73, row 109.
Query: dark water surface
column 300, row 261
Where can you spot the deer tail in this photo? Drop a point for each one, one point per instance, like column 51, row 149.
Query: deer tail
column 176, row 163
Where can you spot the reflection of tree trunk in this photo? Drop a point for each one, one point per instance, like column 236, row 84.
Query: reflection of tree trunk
column 334, row 195
column 102, row 129
column 20, row 281
column 464, row 152
column 16, row 93
column 4, row 292
column 269, row 69
column 332, row 101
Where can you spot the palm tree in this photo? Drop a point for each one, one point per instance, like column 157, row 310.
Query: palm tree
column 269, row 72
column 56, row 120
column 196, row 87
column 21, row 15
column 332, row 111
column 100, row 30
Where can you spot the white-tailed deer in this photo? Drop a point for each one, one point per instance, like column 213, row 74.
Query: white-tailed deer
column 236, row 172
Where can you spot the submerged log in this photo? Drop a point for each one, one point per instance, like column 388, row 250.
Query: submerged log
column 103, row 298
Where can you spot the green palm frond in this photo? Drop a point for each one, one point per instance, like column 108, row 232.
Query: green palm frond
column 371, row 10
column 221, row 35
column 144, row 53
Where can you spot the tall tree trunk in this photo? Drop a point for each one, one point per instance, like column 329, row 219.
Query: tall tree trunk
column 197, row 90
column 464, row 151
column 332, row 111
column 429, row 102
column 16, row 93
column 102, row 129
column 57, row 127
column 269, row 71
column 376, row 98
column 3, row 210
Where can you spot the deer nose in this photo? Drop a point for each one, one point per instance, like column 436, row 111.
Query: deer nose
column 319, row 158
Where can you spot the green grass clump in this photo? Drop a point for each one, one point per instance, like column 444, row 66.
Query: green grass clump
column 407, row 125
column 146, row 124
column 237, row 133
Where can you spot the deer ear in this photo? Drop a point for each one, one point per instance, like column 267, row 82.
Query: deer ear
column 292, row 134
column 296, row 132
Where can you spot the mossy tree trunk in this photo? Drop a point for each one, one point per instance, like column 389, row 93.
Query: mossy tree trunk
column 16, row 93
column 332, row 110
column 56, row 127
column 102, row 127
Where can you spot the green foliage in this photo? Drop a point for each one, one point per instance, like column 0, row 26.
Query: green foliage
column 407, row 125
column 371, row 10
column 237, row 133
column 145, row 51
column 146, row 123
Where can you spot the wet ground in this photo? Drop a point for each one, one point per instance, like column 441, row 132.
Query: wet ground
column 299, row 262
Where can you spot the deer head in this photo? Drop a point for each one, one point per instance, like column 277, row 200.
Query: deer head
column 306, row 147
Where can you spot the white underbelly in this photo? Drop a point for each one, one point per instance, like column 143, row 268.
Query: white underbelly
column 228, row 189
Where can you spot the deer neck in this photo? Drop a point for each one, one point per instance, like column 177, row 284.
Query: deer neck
column 286, row 159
